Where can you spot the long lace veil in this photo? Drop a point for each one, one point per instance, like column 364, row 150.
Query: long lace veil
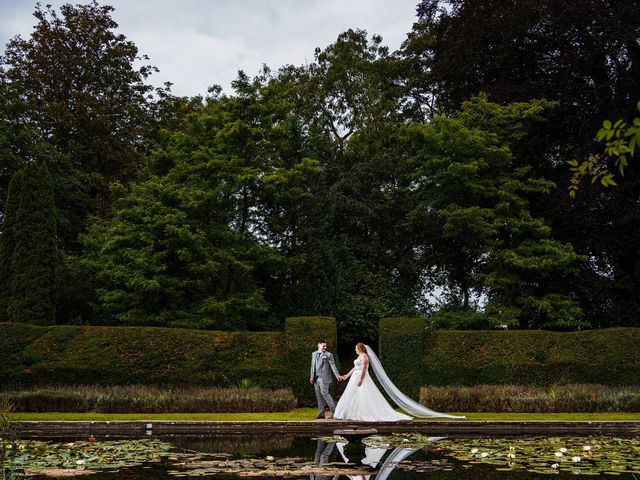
column 405, row 403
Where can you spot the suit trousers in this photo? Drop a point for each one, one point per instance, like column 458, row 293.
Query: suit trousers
column 322, row 395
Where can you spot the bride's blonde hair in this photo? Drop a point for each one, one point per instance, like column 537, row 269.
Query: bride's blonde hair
column 361, row 348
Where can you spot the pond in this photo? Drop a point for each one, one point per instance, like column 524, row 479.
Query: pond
column 398, row 456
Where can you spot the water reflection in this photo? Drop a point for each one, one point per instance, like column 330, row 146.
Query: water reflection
column 277, row 457
column 372, row 457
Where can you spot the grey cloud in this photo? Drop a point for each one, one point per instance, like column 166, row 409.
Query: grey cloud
column 196, row 43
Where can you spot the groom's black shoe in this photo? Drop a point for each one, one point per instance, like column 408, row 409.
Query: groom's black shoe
column 320, row 416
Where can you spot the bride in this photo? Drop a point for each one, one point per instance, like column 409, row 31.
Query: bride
column 363, row 401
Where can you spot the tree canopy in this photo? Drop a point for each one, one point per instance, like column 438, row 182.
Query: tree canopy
column 364, row 184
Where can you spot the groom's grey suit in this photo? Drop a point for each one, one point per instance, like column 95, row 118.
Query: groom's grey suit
column 321, row 367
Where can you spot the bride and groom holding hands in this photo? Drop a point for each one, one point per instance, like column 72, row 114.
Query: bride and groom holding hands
column 361, row 400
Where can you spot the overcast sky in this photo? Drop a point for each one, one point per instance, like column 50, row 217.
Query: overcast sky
column 197, row 43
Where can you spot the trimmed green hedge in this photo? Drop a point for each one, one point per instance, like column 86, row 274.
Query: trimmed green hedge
column 401, row 342
column 89, row 355
column 519, row 357
column 608, row 357
column 302, row 335
column 139, row 355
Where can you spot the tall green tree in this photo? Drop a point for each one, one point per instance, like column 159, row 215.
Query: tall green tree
column 198, row 243
column 349, row 106
column 7, row 243
column 81, row 85
column 474, row 200
column 35, row 258
column 582, row 55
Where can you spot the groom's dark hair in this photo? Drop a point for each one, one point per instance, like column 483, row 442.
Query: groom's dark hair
column 322, row 340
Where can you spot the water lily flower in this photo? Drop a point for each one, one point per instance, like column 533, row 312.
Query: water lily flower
column 555, row 465
column 558, row 454
column 576, row 459
column 511, row 455
column 269, row 458
column 586, row 448
column 563, row 450
column 474, row 450
column 79, row 462
column 484, row 454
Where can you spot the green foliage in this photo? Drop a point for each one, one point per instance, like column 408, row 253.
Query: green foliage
column 34, row 259
column 474, row 201
column 88, row 355
column 456, row 317
column 7, row 243
column 74, row 81
column 414, row 356
column 620, row 142
column 302, row 335
column 140, row 355
column 531, row 357
column 517, row 398
column 401, row 346
column 160, row 261
column 150, row 399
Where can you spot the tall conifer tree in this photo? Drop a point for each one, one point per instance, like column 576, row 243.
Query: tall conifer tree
column 7, row 242
column 35, row 253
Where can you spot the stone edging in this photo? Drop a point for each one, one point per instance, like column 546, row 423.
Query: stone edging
column 141, row 428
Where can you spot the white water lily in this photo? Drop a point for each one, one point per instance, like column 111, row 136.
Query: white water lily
column 576, row 459
column 558, row 454
column 555, row 465
column 511, row 455
column 484, row 454
column 586, row 448
column 563, row 450
column 269, row 458
column 474, row 450
column 79, row 462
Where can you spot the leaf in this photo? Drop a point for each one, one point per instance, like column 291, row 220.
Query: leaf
column 607, row 180
column 607, row 124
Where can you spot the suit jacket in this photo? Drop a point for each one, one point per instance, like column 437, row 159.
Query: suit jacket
column 323, row 368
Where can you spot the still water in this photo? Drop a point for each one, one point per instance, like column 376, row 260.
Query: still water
column 400, row 457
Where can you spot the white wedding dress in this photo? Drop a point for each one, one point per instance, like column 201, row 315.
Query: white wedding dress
column 365, row 403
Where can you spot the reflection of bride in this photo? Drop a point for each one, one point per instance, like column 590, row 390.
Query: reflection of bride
column 363, row 401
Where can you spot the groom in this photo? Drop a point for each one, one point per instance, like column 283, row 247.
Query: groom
column 322, row 364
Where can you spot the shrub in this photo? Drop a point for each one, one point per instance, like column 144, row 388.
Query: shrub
column 302, row 335
column 531, row 357
column 414, row 356
column 149, row 399
column 139, row 355
column 528, row 399
column 400, row 349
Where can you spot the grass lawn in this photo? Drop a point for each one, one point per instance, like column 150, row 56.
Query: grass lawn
column 310, row 413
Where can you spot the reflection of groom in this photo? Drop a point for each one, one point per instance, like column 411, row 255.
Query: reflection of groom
column 323, row 450
column 322, row 364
